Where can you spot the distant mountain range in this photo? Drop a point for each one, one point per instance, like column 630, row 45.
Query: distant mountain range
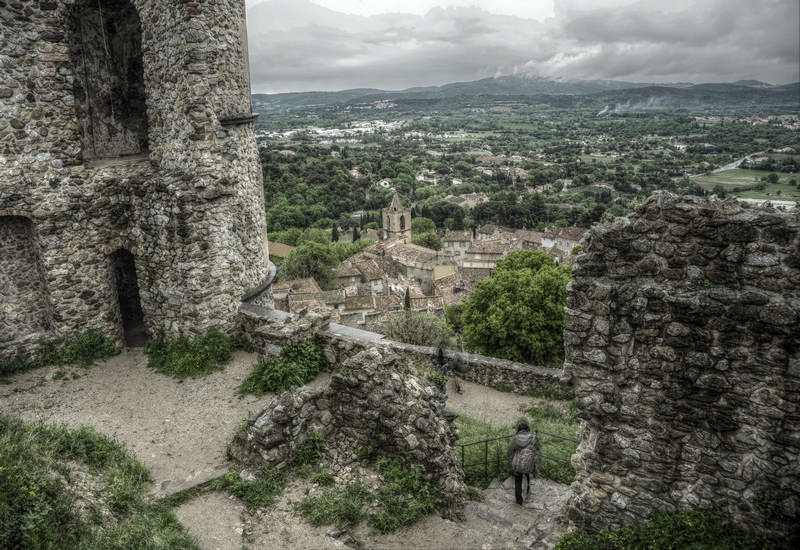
column 615, row 96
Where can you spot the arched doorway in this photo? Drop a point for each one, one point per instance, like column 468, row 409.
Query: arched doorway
column 105, row 48
column 130, row 307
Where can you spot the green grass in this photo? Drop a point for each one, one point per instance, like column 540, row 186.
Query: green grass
column 557, row 417
column 262, row 492
column 81, row 349
column 299, row 364
column 677, row 530
column 38, row 505
column 404, row 497
column 340, row 506
column 732, row 180
column 182, row 357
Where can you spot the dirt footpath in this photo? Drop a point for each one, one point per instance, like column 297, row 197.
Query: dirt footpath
column 179, row 429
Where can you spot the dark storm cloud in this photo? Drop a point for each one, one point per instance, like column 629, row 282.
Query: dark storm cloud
column 298, row 46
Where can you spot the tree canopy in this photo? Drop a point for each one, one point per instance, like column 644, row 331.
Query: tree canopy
column 310, row 259
column 517, row 313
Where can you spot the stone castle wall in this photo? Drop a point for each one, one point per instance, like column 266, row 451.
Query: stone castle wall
column 682, row 335
column 126, row 124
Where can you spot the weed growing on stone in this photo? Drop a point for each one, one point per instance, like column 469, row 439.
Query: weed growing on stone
column 39, row 491
column 310, row 450
column 696, row 530
column 299, row 364
column 181, row 357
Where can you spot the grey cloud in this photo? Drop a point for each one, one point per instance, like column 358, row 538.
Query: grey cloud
column 297, row 46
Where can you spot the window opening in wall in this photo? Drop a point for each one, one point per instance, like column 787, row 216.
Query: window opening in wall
column 23, row 300
column 130, row 306
column 402, row 223
column 106, row 55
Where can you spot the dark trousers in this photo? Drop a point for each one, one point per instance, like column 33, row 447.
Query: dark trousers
column 518, row 487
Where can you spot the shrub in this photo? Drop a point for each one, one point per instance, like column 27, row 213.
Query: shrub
column 181, row 357
column 671, row 530
column 299, row 364
column 416, row 328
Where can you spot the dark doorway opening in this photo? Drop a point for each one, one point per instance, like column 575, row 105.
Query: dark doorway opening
column 130, row 307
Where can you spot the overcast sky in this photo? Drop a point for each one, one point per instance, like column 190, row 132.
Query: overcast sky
column 328, row 45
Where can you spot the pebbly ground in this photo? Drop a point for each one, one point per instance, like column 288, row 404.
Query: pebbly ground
column 180, row 429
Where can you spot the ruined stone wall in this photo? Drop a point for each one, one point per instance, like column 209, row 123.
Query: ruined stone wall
column 682, row 334
column 127, row 124
column 270, row 332
column 372, row 405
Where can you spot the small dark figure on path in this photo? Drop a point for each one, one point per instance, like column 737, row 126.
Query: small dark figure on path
column 440, row 361
column 457, row 368
column 522, row 452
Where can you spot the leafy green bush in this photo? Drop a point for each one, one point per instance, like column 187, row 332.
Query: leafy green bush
column 299, row 364
column 37, row 508
column 181, row 357
column 82, row 349
column 259, row 493
column 695, row 530
column 405, row 495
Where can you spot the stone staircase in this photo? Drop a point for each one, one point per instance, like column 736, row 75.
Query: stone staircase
column 501, row 523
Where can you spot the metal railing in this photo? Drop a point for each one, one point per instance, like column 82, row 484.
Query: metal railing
column 500, row 457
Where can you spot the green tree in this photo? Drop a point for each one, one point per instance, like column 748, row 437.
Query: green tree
column 422, row 225
column 428, row 240
column 407, row 300
column 517, row 313
column 310, row 259
column 335, row 234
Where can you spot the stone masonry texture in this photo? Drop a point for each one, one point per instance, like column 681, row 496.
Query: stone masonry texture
column 125, row 125
column 682, row 334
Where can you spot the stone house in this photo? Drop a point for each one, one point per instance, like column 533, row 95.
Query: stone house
column 562, row 238
column 131, row 196
column 456, row 243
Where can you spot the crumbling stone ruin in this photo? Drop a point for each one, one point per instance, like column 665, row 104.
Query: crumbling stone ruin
column 371, row 404
column 682, row 334
column 131, row 195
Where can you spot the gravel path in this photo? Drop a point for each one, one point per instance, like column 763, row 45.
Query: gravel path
column 180, row 429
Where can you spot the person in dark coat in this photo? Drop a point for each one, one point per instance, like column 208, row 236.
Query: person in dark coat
column 521, row 439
